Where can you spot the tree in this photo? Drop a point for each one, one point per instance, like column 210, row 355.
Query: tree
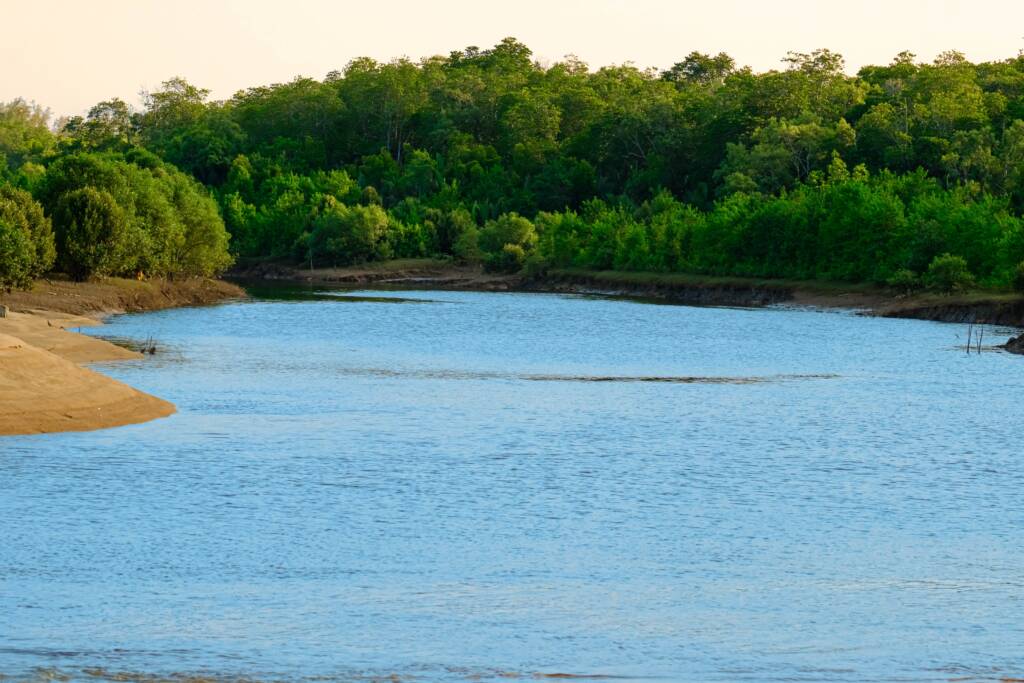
column 506, row 241
column 94, row 236
column 178, row 104
column 175, row 224
column 344, row 235
column 949, row 274
column 21, row 213
column 701, row 69
column 883, row 138
column 816, row 173
column 16, row 256
column 785, row 152
column 108, row 124
column 203, row 246
column 24, row 133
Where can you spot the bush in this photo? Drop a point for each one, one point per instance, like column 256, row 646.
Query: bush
column 1018, row 277
column 22, row 212
column 344, row 235
column 949, row 274
column 450, row 227
column 509, row 260
column 511, row 228
column 202, row 248
column 93, row 234
column 16, row 256
column 905, row 281
column 466, row 248
column 505, row 243
column 174, row 223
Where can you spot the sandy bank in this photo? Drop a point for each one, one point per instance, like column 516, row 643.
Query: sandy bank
column 43, row 390
column 42, row 386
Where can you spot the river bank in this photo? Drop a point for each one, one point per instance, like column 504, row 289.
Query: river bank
column 43, row 386
column 994, row 308
column 117, row 295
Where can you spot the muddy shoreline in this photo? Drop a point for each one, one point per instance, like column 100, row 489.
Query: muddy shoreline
column 109, row 296
column 978, row 308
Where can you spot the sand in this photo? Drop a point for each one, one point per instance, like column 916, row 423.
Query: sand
column 43, row 389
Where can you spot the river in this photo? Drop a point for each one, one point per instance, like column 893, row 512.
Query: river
column 458, row 486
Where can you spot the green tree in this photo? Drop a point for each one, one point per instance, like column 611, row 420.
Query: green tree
column 509, row 230
column 22, row 213
column 17, row 256
column 344, row 235
column 24, row 133
column 94, row 236
column 701, row 69
column 949, row 274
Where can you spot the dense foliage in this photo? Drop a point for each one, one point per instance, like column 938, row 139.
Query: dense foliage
column 26, row 238
column 91, row 212
column 910, row 173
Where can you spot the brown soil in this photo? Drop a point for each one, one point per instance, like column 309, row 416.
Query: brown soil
column 433, row 273
column 116, row 295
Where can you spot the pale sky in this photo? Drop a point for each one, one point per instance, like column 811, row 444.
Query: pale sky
column 70, row 54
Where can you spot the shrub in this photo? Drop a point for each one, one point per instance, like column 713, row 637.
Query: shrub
column 505, row 243
column 1018, row 277
column 509, row 260
column 93, row 234
column 466, row 247
column 16, row 256
column 949, row 274
column 344, row 235
column 174, row 224
column 511, row 228
column 450, row 227
column 22, row 212
column 905, row 281
column 202, row 248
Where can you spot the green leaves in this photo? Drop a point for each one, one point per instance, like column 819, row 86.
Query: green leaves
column 488, row 156
column 16, row 256
column 94, row 236
column 949, row 274
column 22, row 214
column 506, row 241
column 114, row 217
column 344, row 235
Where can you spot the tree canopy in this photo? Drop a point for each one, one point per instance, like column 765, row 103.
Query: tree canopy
column 801, row 171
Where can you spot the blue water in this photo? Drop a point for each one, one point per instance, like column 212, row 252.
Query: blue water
column 430, row 485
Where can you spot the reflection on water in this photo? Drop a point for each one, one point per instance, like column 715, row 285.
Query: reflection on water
column 309, row 293
column 446, row 486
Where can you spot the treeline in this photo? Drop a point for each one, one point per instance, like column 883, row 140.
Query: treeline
column 911, row 173
column 901, row 229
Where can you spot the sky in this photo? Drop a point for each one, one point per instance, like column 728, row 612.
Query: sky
column 68, row 54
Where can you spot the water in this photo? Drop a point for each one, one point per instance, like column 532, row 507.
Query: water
column 428, row 485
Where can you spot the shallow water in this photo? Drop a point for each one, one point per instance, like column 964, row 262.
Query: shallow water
column 468, row 486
